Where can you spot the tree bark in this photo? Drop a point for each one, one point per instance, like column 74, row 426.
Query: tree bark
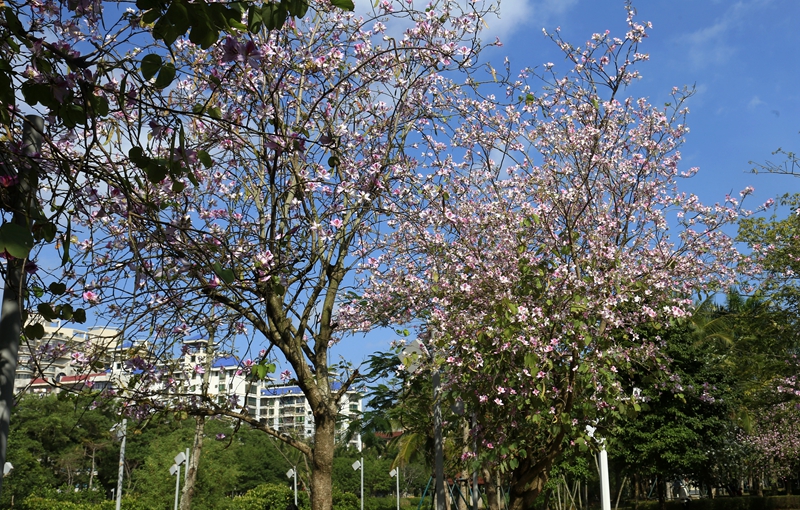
column 661, row 487
column 322, row 458
column 490, row 487
column 528, row 481
column 190, row 487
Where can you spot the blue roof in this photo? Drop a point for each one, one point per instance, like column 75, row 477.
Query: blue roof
column 287, row 390
column 229, row 361
column 280, row 390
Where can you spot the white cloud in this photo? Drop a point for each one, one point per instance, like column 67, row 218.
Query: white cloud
column 712, row 45
column 516, row 14
column 755, row 102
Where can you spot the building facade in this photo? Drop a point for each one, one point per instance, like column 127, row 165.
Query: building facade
column 98, row 358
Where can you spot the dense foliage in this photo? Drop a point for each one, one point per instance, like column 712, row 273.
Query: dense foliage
column 59, row 444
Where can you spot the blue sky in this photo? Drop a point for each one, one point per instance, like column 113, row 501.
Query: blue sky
column 743, row 58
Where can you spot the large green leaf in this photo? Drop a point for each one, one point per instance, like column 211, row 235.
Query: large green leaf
column 346, row 5
column 16, row 240
column 165, row 76
column 150, row 65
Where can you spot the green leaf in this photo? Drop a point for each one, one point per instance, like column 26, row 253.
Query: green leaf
column 13, row 22
column 205, row 159
column 36, row 93
column 203, row 36
column 137, row 157
column 46, row 311
column 296, row 8
column 67, row 241
column 150, row 16
column 254, row 19
column 34, row 331
column 215, row 113
column 46, row 231
column 79, row 316
column 346, row 5
column 225, row 274
column 274, row 15
column 57, row 288
column 16, row 240
column 165, row 76
column 65, row 312
column 156, row 172
column 100, row 105
column 150, row 65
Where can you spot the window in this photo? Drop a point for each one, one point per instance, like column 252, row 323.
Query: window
column 251, row 401
column 353, row 408
column 271, row 411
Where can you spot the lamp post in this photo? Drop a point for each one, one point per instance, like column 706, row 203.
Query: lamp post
column 395, row 473
column 175, row 470
column 292, row 473
column 359, row 464
column 122, row 432
column 605, row 488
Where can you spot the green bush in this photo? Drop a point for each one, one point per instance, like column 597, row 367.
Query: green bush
column 35, row 502
column 726, row 503
column 269, row 496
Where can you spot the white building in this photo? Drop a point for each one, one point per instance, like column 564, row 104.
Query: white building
column 282, row 406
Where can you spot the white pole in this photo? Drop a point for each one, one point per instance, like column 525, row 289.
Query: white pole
column 177, row 485
column 605, row 490
column 294, row 470
column 398, row 487
column 121, row 462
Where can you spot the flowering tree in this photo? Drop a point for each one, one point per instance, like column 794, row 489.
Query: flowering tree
column 549, row 228
column 246, row 192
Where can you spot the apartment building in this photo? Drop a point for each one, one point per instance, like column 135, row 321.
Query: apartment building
column 59, row 357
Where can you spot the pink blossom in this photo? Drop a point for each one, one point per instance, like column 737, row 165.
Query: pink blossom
column 91, row 297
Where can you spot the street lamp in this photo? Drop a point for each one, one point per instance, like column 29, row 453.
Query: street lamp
column 7, row 468
column 175, row 470
column 395, row 473
column 359, row 464
column 121, row 430
column 605, row 489
column 292, row 473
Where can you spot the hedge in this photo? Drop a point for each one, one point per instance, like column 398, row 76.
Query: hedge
column 726, row 503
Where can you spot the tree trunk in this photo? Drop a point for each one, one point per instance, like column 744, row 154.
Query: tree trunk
column 322, row 459
column 527, row 482
column 661, row 488
column 190, row 487
column 91, row 472
column 756, row 490
column 490, row 487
